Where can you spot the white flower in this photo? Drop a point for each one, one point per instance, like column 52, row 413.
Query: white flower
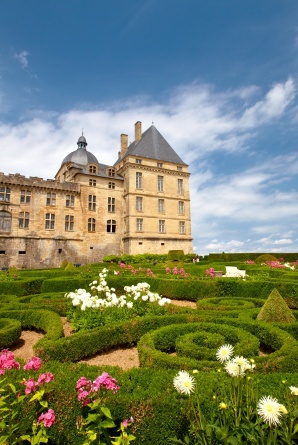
column 233, row 369
column 241, row 361
column 129, row 304
column 184, row 383
column 224, row 353
column 269, row 410
column 294, row 390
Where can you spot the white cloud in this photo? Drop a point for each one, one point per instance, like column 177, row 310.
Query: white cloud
column 22, row 57
column 283, row 241
column 202, row 126
column 271, row 106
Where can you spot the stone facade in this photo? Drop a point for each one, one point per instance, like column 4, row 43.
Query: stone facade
column 141, row 204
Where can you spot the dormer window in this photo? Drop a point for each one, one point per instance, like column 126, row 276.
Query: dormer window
column 92, row 169
column 138, row 161
column 111, row 172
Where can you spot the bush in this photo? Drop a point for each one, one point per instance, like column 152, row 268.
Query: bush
column 275, row 309
column 265, row 257
column 10, row 331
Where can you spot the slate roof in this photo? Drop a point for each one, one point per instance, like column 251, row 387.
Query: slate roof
column 154, row 146
column 81, row 156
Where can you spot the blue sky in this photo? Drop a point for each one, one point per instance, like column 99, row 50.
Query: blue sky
column 218, row 78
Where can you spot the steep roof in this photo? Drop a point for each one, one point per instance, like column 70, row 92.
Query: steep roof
column 154, row 146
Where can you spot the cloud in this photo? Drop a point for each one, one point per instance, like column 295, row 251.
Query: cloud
column 209, row 130
column 271, row 106
column 223, row 246
column 22, row 57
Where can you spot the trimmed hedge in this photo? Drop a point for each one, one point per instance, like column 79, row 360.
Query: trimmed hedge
column 47, row 321
column 10, row 332
column 21, row 287
column 283, row 359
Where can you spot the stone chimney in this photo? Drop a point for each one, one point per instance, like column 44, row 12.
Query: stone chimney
column 138, row 131
column 124, row 144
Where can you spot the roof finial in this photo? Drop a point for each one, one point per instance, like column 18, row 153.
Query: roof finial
column 82, row 131
column 152, row 123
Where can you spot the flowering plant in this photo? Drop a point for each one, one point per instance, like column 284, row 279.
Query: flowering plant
column 177, row 273
column 98, row 419
column 101, row 305
column 239, row 416
column 14, row 398
column 210, row 272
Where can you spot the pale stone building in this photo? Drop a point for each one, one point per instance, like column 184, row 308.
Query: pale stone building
column 140, row 204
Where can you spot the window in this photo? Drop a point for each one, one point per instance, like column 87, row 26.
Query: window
column 111, row 171
column 181, row 226
column 138, row 161
column 51, row 199
column 139, row 224
column 5, row 221
column 5, row 194
column 91, row 224
column 92, row 182
column 92, row 169
column 180, row 186
column 159, row 164
column 161, row 205
column 25, row 196
column 161, row 226
column 111, row 185
column 111, row 226
column 160, row 183
column 179, row 169
column 23, row 220
column 70, row 199
column 139, row 180
column 92, row 202
column 69, row 223
column 139, row 204
column 50, row 221
column 111, row 205
column 181, row 207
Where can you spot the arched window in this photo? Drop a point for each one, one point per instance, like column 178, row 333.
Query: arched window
column 111, row 226
column 5, row 221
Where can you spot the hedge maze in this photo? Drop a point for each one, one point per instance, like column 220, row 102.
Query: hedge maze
column 226, row 312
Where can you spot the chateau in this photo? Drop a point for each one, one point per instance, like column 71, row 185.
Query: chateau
column 140, row 204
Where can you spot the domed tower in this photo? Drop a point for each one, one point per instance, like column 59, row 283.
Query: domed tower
column 78, row 161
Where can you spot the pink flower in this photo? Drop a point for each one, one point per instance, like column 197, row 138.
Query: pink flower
column 7, row 361
column 45, row 378
column 34, row 363
column 168, row 270
column 210, row 272
column 48, row 419
column 122, row 265
column 107, row 381
column 127, row 422
column 30, row 386
column 82, row 382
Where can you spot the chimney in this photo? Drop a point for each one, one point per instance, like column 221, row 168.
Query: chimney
column 124, row 144
column 138, row 131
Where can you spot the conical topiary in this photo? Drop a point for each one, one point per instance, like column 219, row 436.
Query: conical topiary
column 275, row 309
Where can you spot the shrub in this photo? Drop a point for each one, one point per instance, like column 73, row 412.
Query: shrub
column 264, row 258
column 175, row 255
column 275, row 309
column 63, row 264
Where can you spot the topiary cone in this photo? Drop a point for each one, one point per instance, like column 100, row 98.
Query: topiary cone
column 275, row 309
